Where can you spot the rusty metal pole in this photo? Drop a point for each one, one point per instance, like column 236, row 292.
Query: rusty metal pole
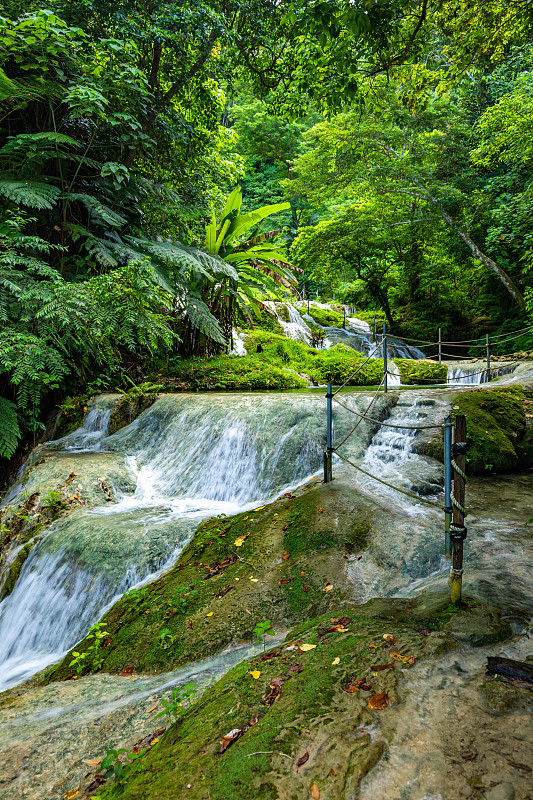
column 328, row 454
column 457, row 528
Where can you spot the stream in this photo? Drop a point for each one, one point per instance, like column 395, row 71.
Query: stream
column 188, row 457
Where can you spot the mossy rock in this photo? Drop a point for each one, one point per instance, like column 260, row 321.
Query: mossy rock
column 496, row 426
column 500, row 696
column 300, row 727
column 286, row 554
column 127, row 408
column 421, row 371
column 326, row 317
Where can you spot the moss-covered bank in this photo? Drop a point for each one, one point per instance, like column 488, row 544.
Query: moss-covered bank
column 421, row 372
column 275, row 562
column 301, row 714
column 499, row 433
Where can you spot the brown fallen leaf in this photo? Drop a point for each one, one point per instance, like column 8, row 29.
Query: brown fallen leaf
column 411, row 660
column 328, row 587
column 365, row 687
column 379, row 667
column 285, row 556
column 94, row 762
column 342, row 621
column 305, row 588
column 189, row 625
column 275, row 691
column 152, row 708
column 295, row 669
column 126, row 672
column 320, row 510
column 397, row 656
column 228, row 739
column 301, row 761
column 389, row 638
column 248, row 612
column 378, row 701
column 284, row 527
column 352, row 687
column 332, row 772
column 285, row 580
column 315, row 792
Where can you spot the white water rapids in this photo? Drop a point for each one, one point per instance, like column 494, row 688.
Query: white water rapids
column 184, row 459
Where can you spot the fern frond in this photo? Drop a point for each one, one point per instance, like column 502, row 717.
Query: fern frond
column 29, row 193
column 9, row 428
column 202, row 319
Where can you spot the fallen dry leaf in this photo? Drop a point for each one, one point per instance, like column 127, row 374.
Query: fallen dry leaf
column 154, row 741
column 94, row 762
column 72, row 793
column 372, row 645
column 285, row 556
column 254, row 580
column 229, row 738
column 210, row 613
column 378, row 701
column 332, row 772
column 295, row 669
column 126, row 672
column 240, row 540
column 149, row 710
column 306, row 647
column 305, row 588
column 379, row 667
column 285, row 580
column 328, row 587
column 335, row 661
column 248, row 612
column 389, row 638
column 255, row 674
column 302, row 574
column 354, row 686
column 315, row 792
column 301, row 761
column 411, row 660
column 320, row 510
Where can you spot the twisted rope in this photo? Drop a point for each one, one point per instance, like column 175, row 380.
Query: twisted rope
column 388, row 424
column 380, row 480
column 362, row 416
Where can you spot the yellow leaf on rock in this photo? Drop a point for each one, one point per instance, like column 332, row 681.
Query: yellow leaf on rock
column 389, row 638
column 254, row 580
column 94, row 762
column 306, row 647
column 72, row 793
column 255, row 674
column 327, row 588
column 239, row 541
column 335, row 661
column 154, row 741
column 372, row 645
column 315, row 792
column 210, row 614
column 149, row 710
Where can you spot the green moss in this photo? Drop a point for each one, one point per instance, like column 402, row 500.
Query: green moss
column 165, row 625
column 496, row 424
column 15, row 568
column 421, row 372
column 311, row 708
column 326, row 317
column 232, row 373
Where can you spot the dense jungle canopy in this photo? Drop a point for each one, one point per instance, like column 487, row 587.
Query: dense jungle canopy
column 383, row 150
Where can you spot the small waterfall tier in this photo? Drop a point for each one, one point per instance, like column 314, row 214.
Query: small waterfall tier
column 144, row 490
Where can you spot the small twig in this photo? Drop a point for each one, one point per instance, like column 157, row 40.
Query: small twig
column 268, row 753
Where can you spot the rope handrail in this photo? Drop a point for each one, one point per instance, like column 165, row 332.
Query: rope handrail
column 363, row 415
column 389, row 424
column 380, row 480
column 358, row 368
column 503, row 336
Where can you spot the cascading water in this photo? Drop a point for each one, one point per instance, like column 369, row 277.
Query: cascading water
column 183, row 459
column 477, row 374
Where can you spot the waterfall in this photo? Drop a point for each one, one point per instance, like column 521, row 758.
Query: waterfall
column 185, row 458
column 94, row 427
column 390, row 455
column 357, row 333
column 477, row 374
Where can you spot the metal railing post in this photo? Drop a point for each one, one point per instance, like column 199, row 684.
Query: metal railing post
column 328, row 455
column 447, row 486
column 385, row 356
column 488, row 358
column 440, row 346
column 344, row 317
column 375, row 332
column 457, row 527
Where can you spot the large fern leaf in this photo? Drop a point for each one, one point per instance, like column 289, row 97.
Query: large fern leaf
column 201, row 318
column 29, row 193
column 9, row 428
